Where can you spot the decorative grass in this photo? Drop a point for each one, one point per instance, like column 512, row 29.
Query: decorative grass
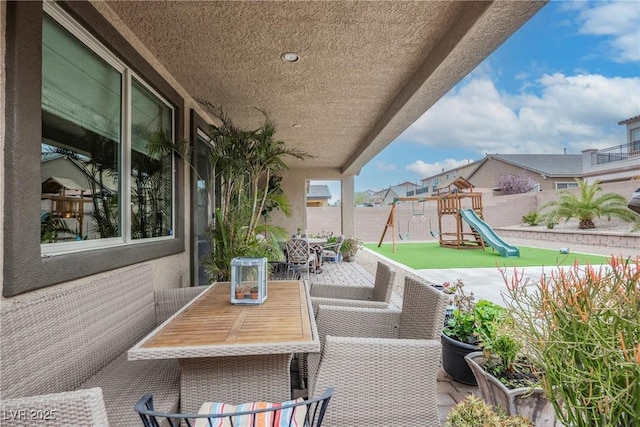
column 421, row 256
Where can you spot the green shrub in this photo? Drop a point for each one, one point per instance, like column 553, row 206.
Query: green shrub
column 532, row 218
column 473, row 412
column 582, row 325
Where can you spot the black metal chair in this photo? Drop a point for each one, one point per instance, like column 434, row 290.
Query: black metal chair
column 307, row 413
column 283, row 271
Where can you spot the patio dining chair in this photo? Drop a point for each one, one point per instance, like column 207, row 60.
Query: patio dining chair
column 283, row 271
column 292, row 413
column 299, row 253
column 350, row 294
column 331, row 251
column 385, row 362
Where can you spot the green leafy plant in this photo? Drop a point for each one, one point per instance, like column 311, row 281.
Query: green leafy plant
column 532, row 218
column 350, row 246
column 587, row 206
column 471, row 322
column 473, row 412
column 582, row 325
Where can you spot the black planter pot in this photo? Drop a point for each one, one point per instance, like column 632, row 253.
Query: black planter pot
column 453, row 361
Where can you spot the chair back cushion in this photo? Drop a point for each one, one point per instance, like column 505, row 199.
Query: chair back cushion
column 423, row 310
column 55, row 341
column 383, row 285
column 288, row 417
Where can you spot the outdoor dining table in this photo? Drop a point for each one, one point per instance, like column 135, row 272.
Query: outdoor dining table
column 235, row 353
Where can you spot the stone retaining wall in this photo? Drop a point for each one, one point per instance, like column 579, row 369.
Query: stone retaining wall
column 590, row 238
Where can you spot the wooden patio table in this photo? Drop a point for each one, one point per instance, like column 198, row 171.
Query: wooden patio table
column 235, row 353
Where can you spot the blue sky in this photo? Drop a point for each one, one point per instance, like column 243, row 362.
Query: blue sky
column 562, row 81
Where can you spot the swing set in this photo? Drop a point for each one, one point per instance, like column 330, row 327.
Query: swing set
column 448, row 204
column 416, row 214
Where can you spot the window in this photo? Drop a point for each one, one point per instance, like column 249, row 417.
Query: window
column 565, row 185
column 87, row 96
column 635, row 139
column 45, row 125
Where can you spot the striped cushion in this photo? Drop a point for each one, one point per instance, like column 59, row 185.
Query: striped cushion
column 289, row 417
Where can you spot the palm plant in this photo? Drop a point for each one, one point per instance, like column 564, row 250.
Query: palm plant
column 587, row 206
column 245, row 161
column 245, row 164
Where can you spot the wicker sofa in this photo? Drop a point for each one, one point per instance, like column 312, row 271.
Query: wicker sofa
column 63, row 356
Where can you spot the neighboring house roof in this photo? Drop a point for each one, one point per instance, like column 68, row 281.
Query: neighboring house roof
column 401, row 189
column 552, row 165
column 469, row 166
column 630, row 120
column 319, row 192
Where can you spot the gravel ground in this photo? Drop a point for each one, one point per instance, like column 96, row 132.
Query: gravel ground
column 602, row 225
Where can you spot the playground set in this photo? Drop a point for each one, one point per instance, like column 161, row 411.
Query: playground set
column 451, row 204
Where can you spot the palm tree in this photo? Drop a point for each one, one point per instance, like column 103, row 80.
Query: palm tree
column 588, row 206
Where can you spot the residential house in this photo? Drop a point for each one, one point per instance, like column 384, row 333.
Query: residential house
column 619, row 163
column 439, row 182
column 551, row 171
column 101, row 79
column 318, row 196
column 405, row 189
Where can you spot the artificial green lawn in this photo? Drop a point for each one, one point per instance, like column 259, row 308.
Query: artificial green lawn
column 420, row 256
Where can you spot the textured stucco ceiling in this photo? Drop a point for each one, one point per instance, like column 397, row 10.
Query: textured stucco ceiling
column 367, row 69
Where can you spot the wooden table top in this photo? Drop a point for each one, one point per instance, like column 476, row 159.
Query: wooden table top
column 211, row 326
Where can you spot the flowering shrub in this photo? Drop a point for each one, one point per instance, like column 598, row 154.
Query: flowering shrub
column 582, row 325
column 511, row 183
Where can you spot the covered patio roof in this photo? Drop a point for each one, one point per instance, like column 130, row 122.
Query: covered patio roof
column 366, row 69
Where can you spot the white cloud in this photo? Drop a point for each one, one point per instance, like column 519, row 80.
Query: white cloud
column 385, row 166
column 619, row 21
column 573, row 112
column 428, row 169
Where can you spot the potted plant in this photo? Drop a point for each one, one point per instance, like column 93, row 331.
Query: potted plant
column 473, row 412
column 349, row 248
column 582, row 326
column 254, row 292
column 239, row 291
column 507, row 379
column 463, row 329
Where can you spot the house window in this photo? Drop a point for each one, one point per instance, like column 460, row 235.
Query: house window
column 45, row 125
column 635, row 139
column 565, row 185
column 98, row 124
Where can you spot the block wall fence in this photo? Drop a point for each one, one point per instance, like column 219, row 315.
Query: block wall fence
column 417, row 221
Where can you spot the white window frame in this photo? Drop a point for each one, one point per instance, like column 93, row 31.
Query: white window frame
column 567, row 185
column 53, row 249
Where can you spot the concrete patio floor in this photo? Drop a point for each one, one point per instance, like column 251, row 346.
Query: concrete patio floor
column 485, row 283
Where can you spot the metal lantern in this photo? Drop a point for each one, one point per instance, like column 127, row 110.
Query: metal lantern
column 248, row 280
